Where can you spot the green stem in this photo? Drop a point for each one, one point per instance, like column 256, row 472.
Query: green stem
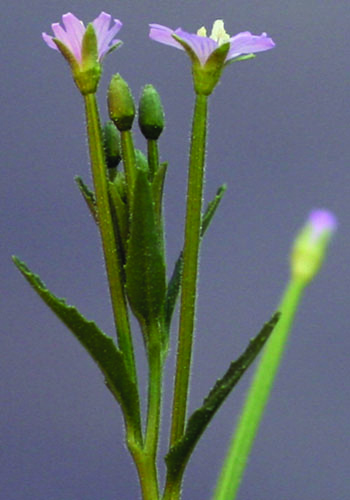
column 147, row 474
column 105, row 224
column 153, row 157
column 258, row 395
column 128, row 154
column 146, row 461
column 189, row 277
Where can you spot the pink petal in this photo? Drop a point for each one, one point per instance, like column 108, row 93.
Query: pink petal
column 61, row 34
column 75, row 31
column 48, row 39
column 246, row 43
column 105, row 34
column 163, row 34
column 202, row 46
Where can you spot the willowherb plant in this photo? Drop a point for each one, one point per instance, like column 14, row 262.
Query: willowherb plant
column 126, row 203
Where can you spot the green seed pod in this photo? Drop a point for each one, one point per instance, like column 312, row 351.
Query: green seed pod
column 121, row 105
column 151, row 113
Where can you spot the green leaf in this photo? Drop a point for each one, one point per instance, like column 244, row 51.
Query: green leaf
column 120, row 213
column 173, row 290
column 88, row 195
column 180, row 453
column 145, row 266
column 174, row 284
column 100, row 346
column 211, row 209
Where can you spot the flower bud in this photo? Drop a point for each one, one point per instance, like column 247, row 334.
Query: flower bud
column 121, row 186
column 111, row 139
column 151, row 113
column 311, row 244
column 120, row 103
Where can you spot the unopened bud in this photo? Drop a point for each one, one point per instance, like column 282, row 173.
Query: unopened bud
column 311, row 244
column 120, row 183
column 151, row 113
column 120, row 103
column 112, row 144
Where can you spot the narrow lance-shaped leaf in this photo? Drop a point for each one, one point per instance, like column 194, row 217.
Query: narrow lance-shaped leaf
column 173, row 290
column 100, row 346
column 180, row 453
column 174, row 284
column 119, row 213
column 145, row 266
column 211, row 208
column 88, row 195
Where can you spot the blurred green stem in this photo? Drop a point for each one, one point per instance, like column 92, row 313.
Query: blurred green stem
column 258, row 395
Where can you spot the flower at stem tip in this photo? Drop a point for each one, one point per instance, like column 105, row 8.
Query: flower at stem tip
column 311, row 245
column 209, row 54
column 84, row 48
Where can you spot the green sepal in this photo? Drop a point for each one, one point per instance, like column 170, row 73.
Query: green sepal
column 145, row 266
column 88, row 78
column 100, row 346
column 111, row 49
column 207, row 76
column 190, row 52
column 245, row 57
column 179, row 454
column 68, row 55
column 158, row 187
column 120, row 213
column 88, row 195
column 211, row 208
column 174, row 284
column 89, row 48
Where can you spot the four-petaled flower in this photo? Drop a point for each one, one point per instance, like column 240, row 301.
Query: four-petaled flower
column 203, row 46
column 73, row 34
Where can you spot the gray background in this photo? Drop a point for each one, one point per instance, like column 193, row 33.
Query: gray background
column 279, row 138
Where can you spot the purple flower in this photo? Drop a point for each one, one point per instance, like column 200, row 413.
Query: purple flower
column 74, row 30
column 203, row 46
column 321, row 222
